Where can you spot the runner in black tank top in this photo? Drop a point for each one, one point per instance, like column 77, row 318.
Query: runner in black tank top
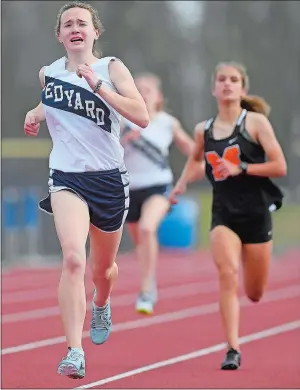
column 241, row 203
column 239, row 151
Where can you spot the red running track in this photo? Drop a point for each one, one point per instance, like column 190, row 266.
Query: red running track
column 181, row 346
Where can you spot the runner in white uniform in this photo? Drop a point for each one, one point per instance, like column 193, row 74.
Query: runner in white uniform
column 146, row 158
column 83, row 100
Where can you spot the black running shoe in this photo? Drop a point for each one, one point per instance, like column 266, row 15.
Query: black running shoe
column 232, row 360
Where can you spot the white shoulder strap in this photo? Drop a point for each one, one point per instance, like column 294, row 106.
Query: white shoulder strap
column 208, row 123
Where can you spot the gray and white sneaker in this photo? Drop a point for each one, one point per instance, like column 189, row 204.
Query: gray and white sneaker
column 72, row 365
column 101, row 323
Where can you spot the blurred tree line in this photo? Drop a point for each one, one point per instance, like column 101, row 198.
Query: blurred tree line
column 181, row 46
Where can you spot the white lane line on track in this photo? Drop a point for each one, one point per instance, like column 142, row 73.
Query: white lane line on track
column 178, row 291
column 287, row 327
column 126, row 299
column 44, row 293
column 271, row 296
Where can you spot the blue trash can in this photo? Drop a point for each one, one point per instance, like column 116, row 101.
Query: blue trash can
column 179, row 229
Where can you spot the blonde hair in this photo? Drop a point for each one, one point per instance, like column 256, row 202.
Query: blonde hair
column 249, row 102
column 95, row 19
column 158, row 84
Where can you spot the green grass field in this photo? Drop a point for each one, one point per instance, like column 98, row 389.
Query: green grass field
column 286, row 223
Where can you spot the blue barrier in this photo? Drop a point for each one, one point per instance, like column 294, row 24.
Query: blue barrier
column 30, row 208
column 20, row 221
column 11, row 220
column 31, row 220
column 20, row 208
column 11, row 209
column 179, row 229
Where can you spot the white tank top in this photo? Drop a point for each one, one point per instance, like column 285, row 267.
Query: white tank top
column 146, row 158
column 85, row 130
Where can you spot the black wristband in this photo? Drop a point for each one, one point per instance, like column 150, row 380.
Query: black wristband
column 97, row 86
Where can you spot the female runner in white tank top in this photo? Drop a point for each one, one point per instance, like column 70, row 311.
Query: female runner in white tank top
column 146, row 158
column 83, row 100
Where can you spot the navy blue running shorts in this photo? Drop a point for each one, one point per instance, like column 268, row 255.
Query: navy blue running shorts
column 106, row 194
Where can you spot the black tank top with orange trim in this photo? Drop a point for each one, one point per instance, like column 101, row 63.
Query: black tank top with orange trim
column 242, row 194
